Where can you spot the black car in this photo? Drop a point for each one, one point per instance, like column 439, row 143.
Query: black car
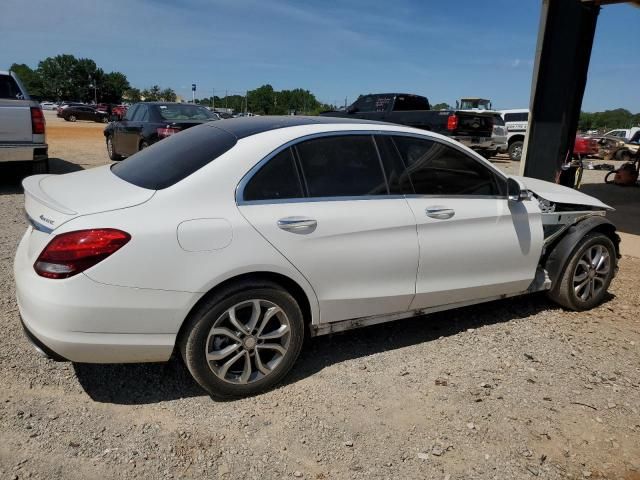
column 146, row 123
column 83, row 112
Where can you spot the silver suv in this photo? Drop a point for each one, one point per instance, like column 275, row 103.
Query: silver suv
column 22, row 126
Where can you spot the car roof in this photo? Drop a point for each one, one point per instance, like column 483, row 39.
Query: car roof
column 243, row 127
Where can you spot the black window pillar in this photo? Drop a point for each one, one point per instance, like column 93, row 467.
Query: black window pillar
column 565, row 38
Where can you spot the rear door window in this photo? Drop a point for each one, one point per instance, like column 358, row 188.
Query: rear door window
column 341, row 166
column 277, row 179
column 140, row 114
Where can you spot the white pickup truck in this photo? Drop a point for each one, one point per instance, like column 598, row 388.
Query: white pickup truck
column 22, row 126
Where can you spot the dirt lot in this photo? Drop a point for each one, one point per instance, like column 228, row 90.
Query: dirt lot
column 509, row 390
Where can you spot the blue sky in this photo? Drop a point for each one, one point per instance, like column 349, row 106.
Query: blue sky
column 337, row 49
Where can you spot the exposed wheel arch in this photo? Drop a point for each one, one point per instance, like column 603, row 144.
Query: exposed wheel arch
column 241, row 281
column 555, row 260
column 515, row 138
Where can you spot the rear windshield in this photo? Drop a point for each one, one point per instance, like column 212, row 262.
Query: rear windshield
column 185, row 112
column 168, row 161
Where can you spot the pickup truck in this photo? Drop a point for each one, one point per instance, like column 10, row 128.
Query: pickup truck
column 22, row 126
column 472, row 129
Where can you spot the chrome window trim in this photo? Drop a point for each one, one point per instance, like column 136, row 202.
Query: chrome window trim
column 239, row 192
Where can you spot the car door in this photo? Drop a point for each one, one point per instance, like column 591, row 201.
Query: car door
column 474, row 242
column 132, row 129
column 120, row 131
column 324, row 204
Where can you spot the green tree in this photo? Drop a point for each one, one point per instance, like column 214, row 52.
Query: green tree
column 151, row 94
column 56, row 76
column 441, row 106
column 168, row 95
column 262, row 100
column 113, row 86
column 132, row 95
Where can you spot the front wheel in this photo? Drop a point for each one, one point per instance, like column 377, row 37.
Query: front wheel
column 515, row 151
column 587, row 274
column 244, row 340
column 72, row 118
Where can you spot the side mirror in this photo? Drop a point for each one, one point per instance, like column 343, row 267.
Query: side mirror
column 516, row 191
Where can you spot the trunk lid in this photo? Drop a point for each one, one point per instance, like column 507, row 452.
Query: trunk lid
column 52, row 200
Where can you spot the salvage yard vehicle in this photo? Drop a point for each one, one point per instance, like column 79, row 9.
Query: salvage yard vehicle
column 516, row 122
column 74, row 113
column 230, row 241
column 471, row 128
column 148, row 122
column 22, row 126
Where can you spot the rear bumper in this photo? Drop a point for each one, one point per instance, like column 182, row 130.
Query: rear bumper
column 23, row 152
column 80, row 320
column 476, row 143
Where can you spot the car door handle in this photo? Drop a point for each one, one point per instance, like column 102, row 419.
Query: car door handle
column 439, row 212
column 297, row 224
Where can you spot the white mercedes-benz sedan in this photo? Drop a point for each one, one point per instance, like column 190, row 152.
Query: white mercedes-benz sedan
column 231, row 241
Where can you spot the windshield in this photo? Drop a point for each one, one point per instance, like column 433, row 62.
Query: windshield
column 185, row 112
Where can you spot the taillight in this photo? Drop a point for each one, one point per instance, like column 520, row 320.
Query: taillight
column 37, row 121
column 166, row 131
column 71, row 253
column 452, row 122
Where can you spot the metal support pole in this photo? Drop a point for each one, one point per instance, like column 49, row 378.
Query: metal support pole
column 565, row 38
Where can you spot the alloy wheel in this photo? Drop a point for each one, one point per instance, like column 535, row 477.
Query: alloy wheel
column 591, row 273
column 110, row 146
column 248, row 341
column 517, row 153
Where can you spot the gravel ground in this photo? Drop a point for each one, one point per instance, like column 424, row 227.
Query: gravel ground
column 510, row 389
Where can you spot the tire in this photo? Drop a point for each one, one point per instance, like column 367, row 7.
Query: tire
column 515, row 150
column 40, row 167
column 144, row 144
column 71, row 118
column 224, row 378
column 104, row 120
column 578, row 271
column 111, row 151
column 625, row 156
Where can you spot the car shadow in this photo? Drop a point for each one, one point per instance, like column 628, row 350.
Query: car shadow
column 12, row 174
column 134, row 384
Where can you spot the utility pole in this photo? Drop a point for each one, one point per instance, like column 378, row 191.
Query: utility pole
column 246, row 104
column 213, row 99
column 345, row 103
column 226, row 94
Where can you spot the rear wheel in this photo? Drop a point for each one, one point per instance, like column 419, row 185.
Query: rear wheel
column 71, row 118
column 515, row 151
column 111, row 150
column 243, row 340
column 587, row 274
column 143, row 145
